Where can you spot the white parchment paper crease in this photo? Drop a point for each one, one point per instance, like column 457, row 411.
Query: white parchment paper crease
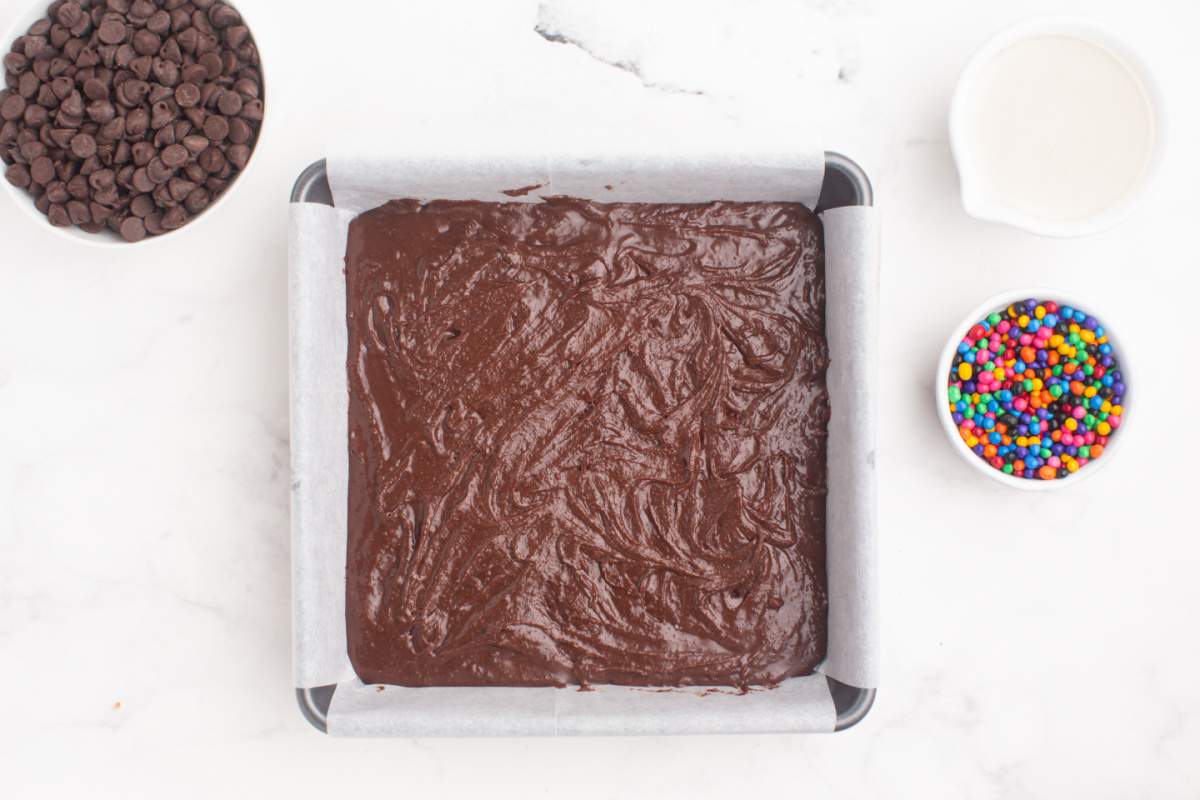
column 319, row 446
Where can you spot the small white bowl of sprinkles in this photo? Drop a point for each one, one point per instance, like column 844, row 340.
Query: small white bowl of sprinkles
column 1033, row 390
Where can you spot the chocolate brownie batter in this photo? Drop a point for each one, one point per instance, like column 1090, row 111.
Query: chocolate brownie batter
column 587, row 443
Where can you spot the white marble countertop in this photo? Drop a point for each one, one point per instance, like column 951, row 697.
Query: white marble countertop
column 144, row 613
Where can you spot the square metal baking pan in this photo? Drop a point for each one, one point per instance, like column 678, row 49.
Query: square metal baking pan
column 846, row 184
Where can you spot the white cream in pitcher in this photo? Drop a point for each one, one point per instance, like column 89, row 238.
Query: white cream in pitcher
column 1056, row 129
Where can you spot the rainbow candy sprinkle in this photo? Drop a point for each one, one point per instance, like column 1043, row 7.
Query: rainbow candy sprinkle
column 1036, row 390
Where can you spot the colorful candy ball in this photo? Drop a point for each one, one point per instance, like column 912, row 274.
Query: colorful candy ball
column 1036, row 390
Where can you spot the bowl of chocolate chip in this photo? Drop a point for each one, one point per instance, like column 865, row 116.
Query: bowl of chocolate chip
column 124, row 120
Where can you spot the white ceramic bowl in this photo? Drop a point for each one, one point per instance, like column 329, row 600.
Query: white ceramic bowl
column 982, row 207
column 23, row 201
column 940, row 386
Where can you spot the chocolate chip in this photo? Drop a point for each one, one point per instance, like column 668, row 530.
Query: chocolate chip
column 101, row 111
column 137, row 122
column 133, row 229
column 102, row 179
column 236, row 36
column 46, row 97
column 222, row 16
column 175, row 156
column 94, row 89
column 77, row 187
column 165, row 137
column 64, row 120
column 253, row 110
column 112, row 131
column 35, row 116
column 195, row 144
column 42, row 170
column 34, row 46
column 83, row 146
column 212, row 65
column 188, row 40
column 194, row 74
column 18, row 175
column 32, row 150
column 62, row 87
column 87, row 58
column 165, row 72
column 216, row 128
column 196, row 117
column 142, row 206
column 238, row 155
column 141, row 9
column 159, row 22
column 195, row 172
column 197, row 201
column 15, row 63
column 154, row 224
column 164, row 113
column 142, row 66
column 181, row 19
column 72, row 49
column 187, row 95
column 112, row 31
column 180, row 188
column 98, row 212
column 78, row 212
column 58, row 216
column 65, row 170
column 70, row 13
column 207, row 43
column 246, row 87
column 174, row 218
column 146, row 43
column 212, row 160
column 13, row 107
column 108, row 197
column 59, row 36
column 143, row 152
column 230, row 104
column 28, row 85
column 59, row 67
column 160, row 93
column 72, row 105
column 132, row 92
column 162, row 196
column 200, row 18
column 210, row 93
column 141, row 180
column 57, row 192
column 61, row 137
column 170, row 51
column 125, row 55
column 158, row 171
column 240, row 131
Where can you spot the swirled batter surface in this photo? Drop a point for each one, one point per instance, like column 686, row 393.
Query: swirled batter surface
column 587, row 443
